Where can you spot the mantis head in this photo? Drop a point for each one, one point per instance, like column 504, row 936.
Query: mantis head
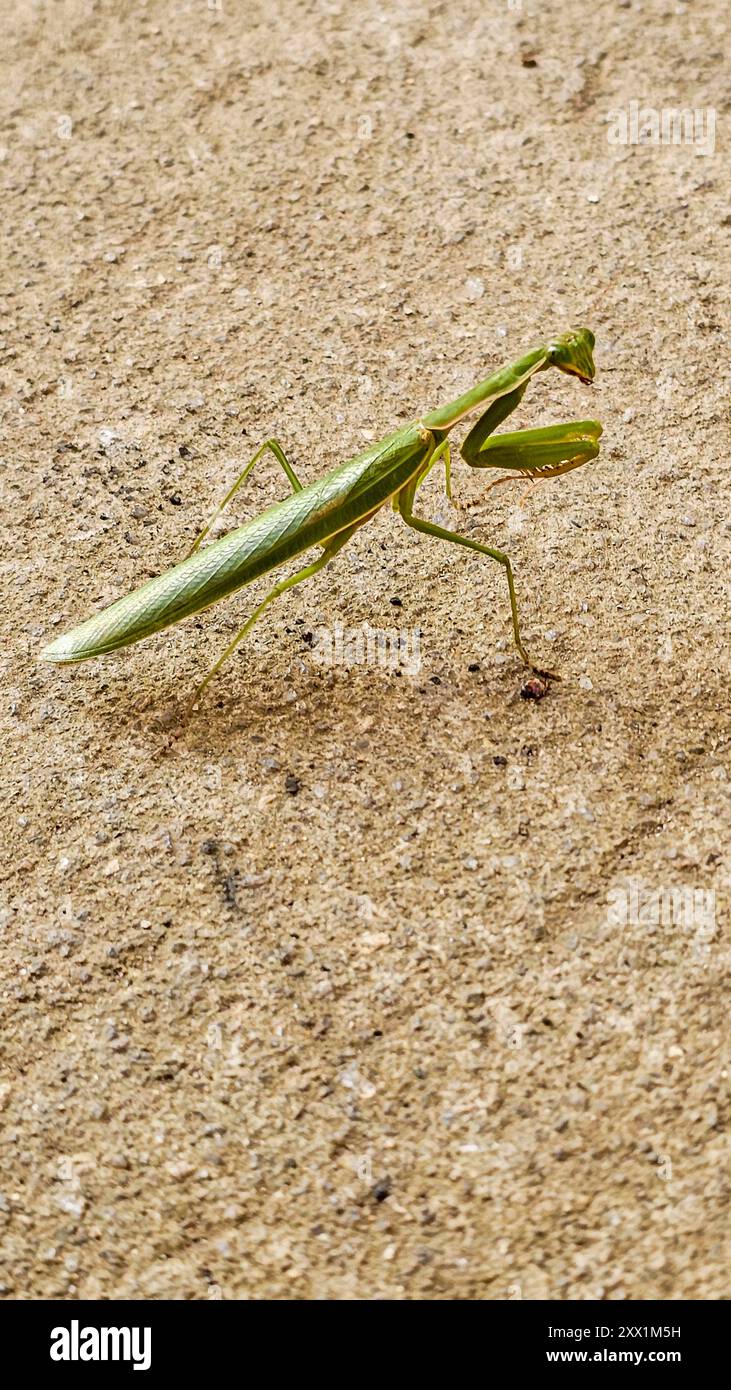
column 572, row 353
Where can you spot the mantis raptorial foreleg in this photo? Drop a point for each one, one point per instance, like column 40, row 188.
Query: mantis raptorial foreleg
column 275, row 448
column 331, row 548
column 541, row 453
column 474, row 442
column 536, row 454
column 533, row 454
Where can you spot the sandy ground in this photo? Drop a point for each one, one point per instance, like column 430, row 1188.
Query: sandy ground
column 364, row 983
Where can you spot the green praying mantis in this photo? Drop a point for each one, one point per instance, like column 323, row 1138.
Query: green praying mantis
column 327, row 513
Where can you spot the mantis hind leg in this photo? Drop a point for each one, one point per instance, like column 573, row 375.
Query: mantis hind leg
column 331, row 548
column 276, row 449
column 405, row 506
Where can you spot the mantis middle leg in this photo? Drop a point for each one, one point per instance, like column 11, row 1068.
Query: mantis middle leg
column 405, row 506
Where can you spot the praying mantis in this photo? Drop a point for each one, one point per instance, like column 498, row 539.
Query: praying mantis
column 328, row 512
